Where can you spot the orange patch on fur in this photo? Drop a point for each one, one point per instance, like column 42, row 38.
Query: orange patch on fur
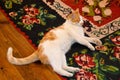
column 49, row 36
column 76, row 18
column 43, row 58
column 60, row 27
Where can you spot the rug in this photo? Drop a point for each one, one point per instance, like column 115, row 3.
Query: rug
column 33, row 18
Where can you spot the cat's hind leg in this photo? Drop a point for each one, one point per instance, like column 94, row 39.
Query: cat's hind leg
column 71, row 69
column 56, row 63
column 66, row 67
column 63, row 72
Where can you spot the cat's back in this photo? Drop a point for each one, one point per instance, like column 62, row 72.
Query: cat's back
column 56, row 34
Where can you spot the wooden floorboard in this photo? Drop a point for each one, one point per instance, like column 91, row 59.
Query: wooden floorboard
column 22, row 48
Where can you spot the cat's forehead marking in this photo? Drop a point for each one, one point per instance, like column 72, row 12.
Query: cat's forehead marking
column 49, row 36
column 74, row 16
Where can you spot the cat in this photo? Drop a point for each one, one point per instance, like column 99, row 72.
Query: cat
column 55, row 44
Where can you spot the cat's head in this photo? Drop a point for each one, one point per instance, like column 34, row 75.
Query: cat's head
column 75, row 17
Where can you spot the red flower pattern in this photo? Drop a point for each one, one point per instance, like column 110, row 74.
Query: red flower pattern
column 29, row 20
column 30, row 17
column 116, row 40
column 85, row 75
column 117, row 52
column 85, row 61
column 31, row 11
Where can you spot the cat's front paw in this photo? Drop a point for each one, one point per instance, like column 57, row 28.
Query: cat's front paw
column 91, row 47
column 68, row 75
column 97, row 41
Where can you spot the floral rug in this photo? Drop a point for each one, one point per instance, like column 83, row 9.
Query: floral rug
column 33, row 18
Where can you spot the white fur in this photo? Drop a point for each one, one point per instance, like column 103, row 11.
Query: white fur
column 56, row 49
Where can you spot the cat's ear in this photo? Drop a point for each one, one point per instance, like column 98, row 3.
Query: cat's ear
column 77, row 10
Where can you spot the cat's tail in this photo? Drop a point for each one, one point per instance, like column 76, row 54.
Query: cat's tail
column 21, row 61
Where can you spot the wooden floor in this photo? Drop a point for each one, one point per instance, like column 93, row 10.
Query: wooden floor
column 34, row 71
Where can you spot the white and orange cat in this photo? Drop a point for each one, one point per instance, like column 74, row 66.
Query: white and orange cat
column 56, row 43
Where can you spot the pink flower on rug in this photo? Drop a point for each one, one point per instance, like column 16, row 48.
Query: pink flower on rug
column 13, row 14
column 116, row 40
column 85, row 61
column 97, row 11
column 31, row 11
column 30, row 20
column 117, row 52
column 85, row 75
column 26, row 20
